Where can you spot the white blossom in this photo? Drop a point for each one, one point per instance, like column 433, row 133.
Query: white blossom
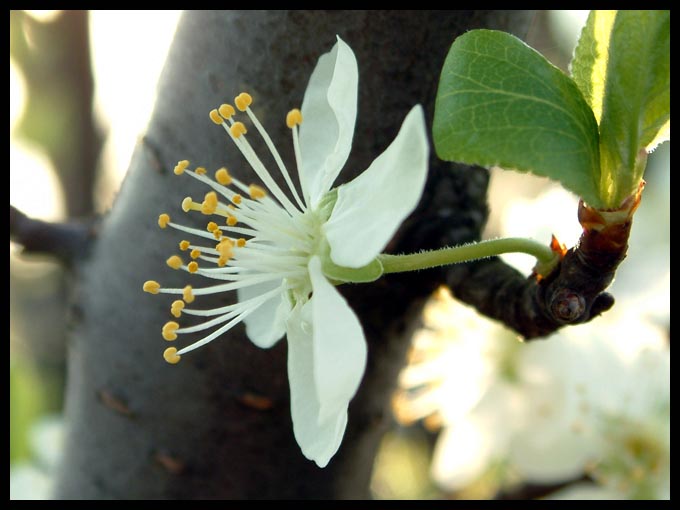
column 283, row 252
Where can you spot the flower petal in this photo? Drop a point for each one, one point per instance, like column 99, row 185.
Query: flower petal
column 318, row 441
column 329, row 111
column 339, row 345
column 266, row 325
column 370, row 208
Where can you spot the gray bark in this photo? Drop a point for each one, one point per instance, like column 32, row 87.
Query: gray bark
column 140, row 428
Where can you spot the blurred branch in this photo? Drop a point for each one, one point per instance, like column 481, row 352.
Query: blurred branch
column 54, row 58
column 66, row 241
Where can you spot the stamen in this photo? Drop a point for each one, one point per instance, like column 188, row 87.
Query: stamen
column 231, row 220
column 163, row 220
column 225, row 248
column 222, row 176
column 192, row 266
column 257, row 165
column 181, row 166
column 209, row 204
column 195, row 254
column 237, row 129
column 188, row 295
column 256, row 192
column 212, row 226
column 217, row 233
column 171, row 356
column 277, row 157
column 237, row 199
column 215, row 117
column 187, row 204
column 241, row 305
column 296, row 150
column 227, row 111
column 220, row 331
column 169, row 329
column 174, row 262
column 201, row 170
column 294, row 118
column 177, row 307
column 241, row 242
column 243, row 101
column 151, row 286
column 184, row 245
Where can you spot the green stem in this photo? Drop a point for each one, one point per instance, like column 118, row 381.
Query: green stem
column 464, row 253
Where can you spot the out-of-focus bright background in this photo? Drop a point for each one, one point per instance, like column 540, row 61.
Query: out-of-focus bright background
column 585, row 414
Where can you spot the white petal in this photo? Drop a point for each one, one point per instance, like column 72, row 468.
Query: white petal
column 339, row 345
column 318, row 441
column 370, row 208
column 266, row 325
column 329, row 111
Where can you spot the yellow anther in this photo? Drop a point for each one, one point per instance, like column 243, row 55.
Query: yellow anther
column 221, row 262
column 256, row 191
column 210, row 203
column 181, row 166
column 241, row 242
column 231, row 207
column 184, row 245
column 187, row 204
column 226, row 111
column 231, row 220
column 243, row 101
column 171, row 356
column 215, row 117
column 174, row 262
column 151, row 286
column 192, row 266
column 237, row 199
column 195, row 254
column 211, row 197
column 212, row 226
column 217, row 233
column 222, row 176
column 169, row 330
column 294, row 118
column 188, row 294
column 163, row 220
column 201, row 170
column 207, row 208
column 237, row 129
column 225, row 248
column 177, row 307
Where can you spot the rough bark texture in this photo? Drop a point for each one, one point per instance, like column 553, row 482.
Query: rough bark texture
column 140, row 428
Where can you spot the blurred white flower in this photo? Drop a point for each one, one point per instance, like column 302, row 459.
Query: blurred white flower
column 33, row 479
column 584, row 491
column 591, row 399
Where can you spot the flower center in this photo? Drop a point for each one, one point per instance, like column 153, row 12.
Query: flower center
column 264, row 239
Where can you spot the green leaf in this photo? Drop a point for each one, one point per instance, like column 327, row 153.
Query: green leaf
column 622, row 66
column 502, row 103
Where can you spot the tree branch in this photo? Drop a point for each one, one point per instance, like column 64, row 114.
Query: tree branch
column 66, row 241
column 572, row 294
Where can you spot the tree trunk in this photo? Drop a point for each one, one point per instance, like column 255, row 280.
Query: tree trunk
column 140, row 428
